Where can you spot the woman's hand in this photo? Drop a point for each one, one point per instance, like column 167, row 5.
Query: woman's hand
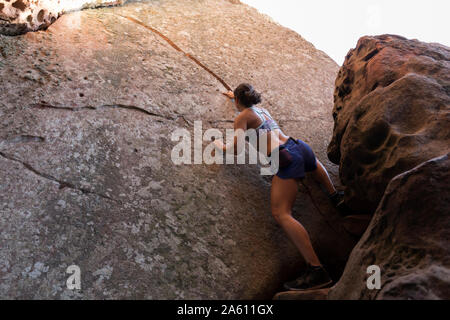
column 229, row 94
column 219, row 144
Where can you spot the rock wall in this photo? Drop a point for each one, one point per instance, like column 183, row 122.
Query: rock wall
column 408, row 239
column 391, row 110
column 392, row 115
column 86, row 116
column 20, row 16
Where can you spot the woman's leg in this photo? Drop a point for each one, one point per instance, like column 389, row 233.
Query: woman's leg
column 321, row 175
column 283, row 193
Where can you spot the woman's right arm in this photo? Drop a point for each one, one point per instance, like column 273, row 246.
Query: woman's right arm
column 229, row 94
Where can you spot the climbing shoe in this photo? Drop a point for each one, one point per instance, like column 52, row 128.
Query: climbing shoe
column 313, row 278
column 337, row 199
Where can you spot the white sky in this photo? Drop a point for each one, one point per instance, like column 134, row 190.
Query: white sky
column 334, row 26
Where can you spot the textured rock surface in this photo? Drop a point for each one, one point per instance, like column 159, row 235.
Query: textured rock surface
column 392, row 107
column 303, row 295
column 20, row 16
column 86, row 114
column 357, row 224
column 408, row 239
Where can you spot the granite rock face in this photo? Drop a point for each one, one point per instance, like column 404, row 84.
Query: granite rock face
column 20, row 16
column 391, row 109
column 87, row 111
column 408, row 239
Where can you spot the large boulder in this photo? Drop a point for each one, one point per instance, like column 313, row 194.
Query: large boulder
column 408, row 239
column 86, row 116
column 391, row 110
column 20, row 16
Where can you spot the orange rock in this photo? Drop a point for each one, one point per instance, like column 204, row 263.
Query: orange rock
column 391, row 110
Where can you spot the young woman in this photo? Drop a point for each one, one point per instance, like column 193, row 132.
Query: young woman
column 296, row 159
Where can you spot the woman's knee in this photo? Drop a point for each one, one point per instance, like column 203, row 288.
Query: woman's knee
column 280, row 215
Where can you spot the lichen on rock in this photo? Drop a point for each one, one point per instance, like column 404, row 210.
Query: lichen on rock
column 20, row 16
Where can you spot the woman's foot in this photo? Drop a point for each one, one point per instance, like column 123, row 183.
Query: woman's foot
column 314, row 277
column 337, row 198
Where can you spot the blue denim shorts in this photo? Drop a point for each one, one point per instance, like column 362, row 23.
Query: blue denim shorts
column 301, row 157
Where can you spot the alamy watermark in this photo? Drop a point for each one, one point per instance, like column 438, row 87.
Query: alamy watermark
column 374, row 280
column 74, row 281
column 213, row 153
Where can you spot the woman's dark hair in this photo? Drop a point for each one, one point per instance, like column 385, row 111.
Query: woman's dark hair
column 246, row 95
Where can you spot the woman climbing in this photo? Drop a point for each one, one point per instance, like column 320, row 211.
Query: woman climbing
column 295, row 160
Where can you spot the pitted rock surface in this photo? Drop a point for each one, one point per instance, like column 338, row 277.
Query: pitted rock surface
column 392, row 112
column 408, row 239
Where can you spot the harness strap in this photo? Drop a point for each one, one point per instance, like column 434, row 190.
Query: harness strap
column 259, row 113
column 272, row 123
